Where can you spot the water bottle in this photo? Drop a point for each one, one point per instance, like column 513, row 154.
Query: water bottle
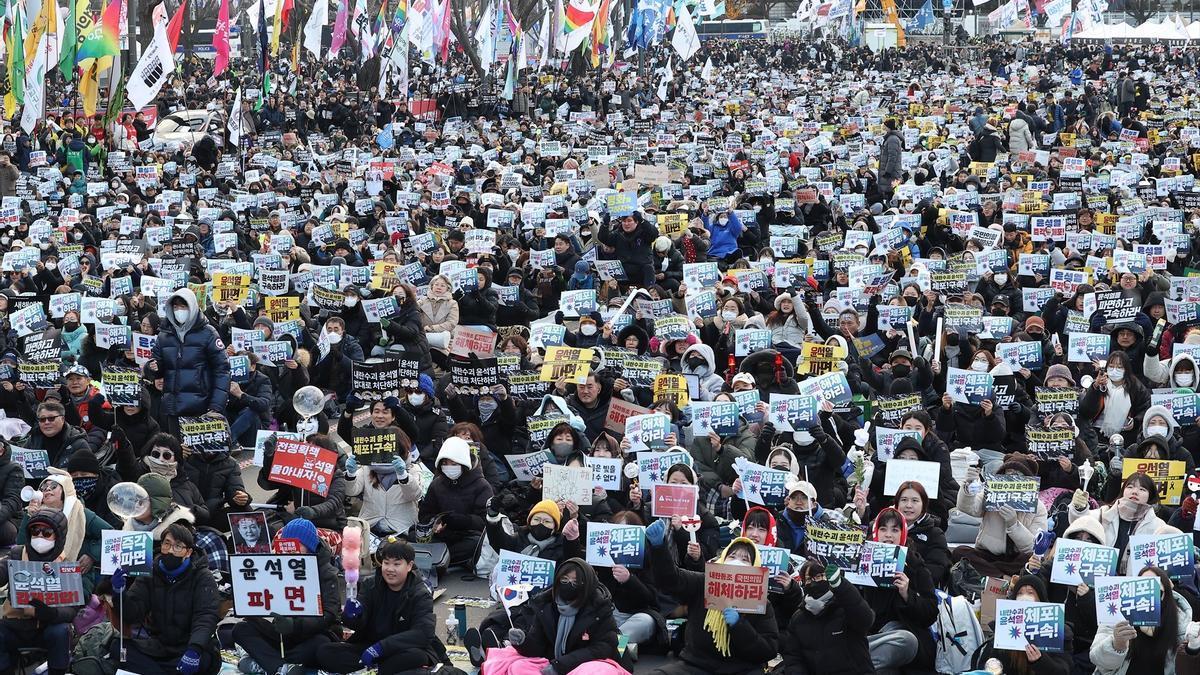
column 451, row 630
column 460, row 615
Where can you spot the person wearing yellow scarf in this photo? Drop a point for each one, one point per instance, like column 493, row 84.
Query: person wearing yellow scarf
column 718, row 642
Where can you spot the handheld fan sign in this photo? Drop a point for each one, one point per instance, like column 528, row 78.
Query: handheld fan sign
column 691, row 524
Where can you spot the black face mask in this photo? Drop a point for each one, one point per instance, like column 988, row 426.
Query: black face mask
column 952, row 339
column 70, row 325
column 901, row 370
column 694, row 363
column 999, row 311
column 170, row 561
column 567, row 591
column 540, row 532
column 910, row 301
column 817, row 589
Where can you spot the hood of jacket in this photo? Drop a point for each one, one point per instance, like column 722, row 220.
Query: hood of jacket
column 704, row 351
column 1161, row 411
column 1186, row 360
column 1087, row 524
column 194, row 315
column 560, row 403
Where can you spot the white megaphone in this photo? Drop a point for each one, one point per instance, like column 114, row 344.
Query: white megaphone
column 31, row 494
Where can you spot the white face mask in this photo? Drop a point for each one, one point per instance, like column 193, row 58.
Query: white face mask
column 736, row 561
column 41, row 544
column 979, row 366
column 181, row 315
column 452, row 472
column 588, row 329
column 351, row 301
column 416, row 399
column 1116, row 374
column 1158, row 431
column 51, row 265
column 333, row 338
column 1185, row 379
column 1000, row 279
column 803, row 437
column 728, row 316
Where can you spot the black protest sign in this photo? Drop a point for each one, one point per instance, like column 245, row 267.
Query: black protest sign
column 40, row 374
column 375, row 446
column 325, row 298
column 376, row 381
column 44, row 346
column 204, row 434
column 1052, row 400
column 526, row 385
column 891, row 409
column 122, row 386
column 1115, row 308
column 1004, row 391
column 475, row 376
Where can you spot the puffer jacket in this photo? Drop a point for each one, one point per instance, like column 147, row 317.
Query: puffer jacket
column 258, row 395
column 593, row 636
column 405, row 330
column 193, row 363
column 393, row 509
column 1109, row 661
column 177, row 614
column 439, row 314
column 330, row 510
column 12, row 479
column 1020, row 138
column 832, row 643
column 1109, row 519
column 217, row 480
column 478, row 307
column 412, row 626
column 69, row 441
column 993, row 533
column 461, row 502
column 708, row 382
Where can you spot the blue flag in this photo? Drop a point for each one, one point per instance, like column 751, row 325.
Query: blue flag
column 923, row 19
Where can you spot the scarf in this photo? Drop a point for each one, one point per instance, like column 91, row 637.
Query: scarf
column 566, row 621
column 714, row 619
column 165, row 469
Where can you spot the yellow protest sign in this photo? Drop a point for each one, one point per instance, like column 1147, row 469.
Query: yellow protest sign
column 671, row 224
column 227, row 287
column 818, row 359
column 283, row 308
column 384, row 275
column 672, row 388
column 566, row 362
column 1168, row 475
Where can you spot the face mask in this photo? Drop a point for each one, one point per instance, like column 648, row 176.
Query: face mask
column 162, row 468
column 50, row 265
column 979, row 366
column 728, row 316
column 85, row 486
column 1185, row 379
column 695, row 363
column 588, row 329
column 567, row 590
column 333, row 338
column 540, row 532
column 487, row 407
column 41, row 544
column 1000, row 279
column 901, row 370
column 170, row 562
column 351, row 301
column 736, row 561
column 803, row 437
column 1158, row 431
column 416, row 399
column 181, row 315
column 562, row 448
column 1116, row 374
column 453, row 472
column 70, row 325
column 723, row 221
column 513, row 254
column 910, row 301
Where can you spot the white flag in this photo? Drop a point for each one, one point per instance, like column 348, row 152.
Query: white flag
column 151, row 71
column 485, row 35
column 668, row 75
column 706, row 74
column 315, row 25
column 685, row 40
column 35, row 92
column 235, row 120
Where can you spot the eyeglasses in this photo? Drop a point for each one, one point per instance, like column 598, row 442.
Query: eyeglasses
column 164, row 455
column 173, row 547
column 42, row 532
column 48, row 418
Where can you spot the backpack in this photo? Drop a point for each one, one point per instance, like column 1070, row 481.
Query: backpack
column 956, row 632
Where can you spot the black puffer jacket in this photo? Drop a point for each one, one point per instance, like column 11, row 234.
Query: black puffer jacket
column 832, row 643
column 217, row 480
column 178, row 614
column 258, row 395
column 12, row 479
column 405, row 329
column 593, row 636
column 411, row 626
column 462, row 502
column 60, row 448
column 193, row 363
column 432, row 429
column 916, row 614
column 478, row 307
column 329, row 511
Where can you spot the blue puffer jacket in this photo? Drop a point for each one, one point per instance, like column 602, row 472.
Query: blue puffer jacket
column 192, row 361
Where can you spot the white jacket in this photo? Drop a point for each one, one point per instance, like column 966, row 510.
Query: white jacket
column 1109, row 661
column 1108, row 517
column 394, row 509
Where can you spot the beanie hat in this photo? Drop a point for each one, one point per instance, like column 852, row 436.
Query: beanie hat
column 264, row 321
column 83, row 461
column 548, row 507
column 1035, row 322
column 159, row 489
column 1059, row 370
column 1019, row 463
column 303, row 531
column 662, row 244
column 1033, row 581
column 425, row 384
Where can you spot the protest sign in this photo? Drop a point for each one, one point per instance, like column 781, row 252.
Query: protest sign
column 928, row 474
column 674, row 500
column 1172, row 553
column 474, row 377
column 289, row 585
column 204, row 434
column 1116, row 308
column 57, row 584
column 131, row 551
column 880, row 562
column 539, row 427
column 760, row 484
column 567, row 483
column 375, row 446
column 620, row 410
column 40, row 374
column 776, row 560
column 303, row 465
column 612, row 545
column 606, row 471
column 514, row 568
column 719, row 417
column 1052, row 400
column 122, row 386
column 1087, row 347
column 837, row 545
column 34, row 463
column 250, row 533
column 673, row 388
column 1020, row 623
column 819, row 359
column 790, row 412
column 735, row 586
column 1018, row 355
column 968, row 386
column 891, row 409
column 1168, row 475
column 887, row 439
column 750, row 340
column 467, row 341
column 1077, row 562
column 647, row 431
column 1049, row 444
column 567, row 363
column 376, row 380
column 529, row 465
column 1019, row 492
column 832, row 387
column 1137, row 600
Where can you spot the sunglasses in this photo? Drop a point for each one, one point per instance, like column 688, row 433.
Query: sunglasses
column 48, row 418
column 42, row 532
column 164, row 455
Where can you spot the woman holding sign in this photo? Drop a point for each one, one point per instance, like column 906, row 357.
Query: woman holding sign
column 1122, row 649
column 1030, row 588
column 1132, row 513
column 903, row 613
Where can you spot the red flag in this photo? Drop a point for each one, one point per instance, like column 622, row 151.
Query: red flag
column 285, row 12
column 221, row 39
column 176, row 26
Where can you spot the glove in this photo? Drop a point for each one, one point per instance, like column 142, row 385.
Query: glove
column 1188, row 507
column 548, row 669
column 516, row 636
column 284, row 625
column 833, row 574
column 353, row 609
column 731, row 615
column 1193, row 636
column 1079, row 501
column 401, row 468
column 493, row 508
column 353, row 402
column 370, row 654
column 118, row 580
column 861, row 436
column 351, row 464
column 306, row 512
column 189, row 663
column 43, row 612
column 656, row 533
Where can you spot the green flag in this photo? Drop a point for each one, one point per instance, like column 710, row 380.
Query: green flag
column 116, row 103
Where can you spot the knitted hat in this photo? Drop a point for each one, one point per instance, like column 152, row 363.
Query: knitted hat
column 425, row 384
column 159, row 489
column 303, row 531
column 265, row 321
column 548, row 507
column 83, row 461
column 1035, row 322
column 1033, row 581
column 1014, row 462
column 1060, row 370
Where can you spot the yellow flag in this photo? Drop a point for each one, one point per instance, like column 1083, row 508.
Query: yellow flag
column 45, row 22
column 89, row 84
